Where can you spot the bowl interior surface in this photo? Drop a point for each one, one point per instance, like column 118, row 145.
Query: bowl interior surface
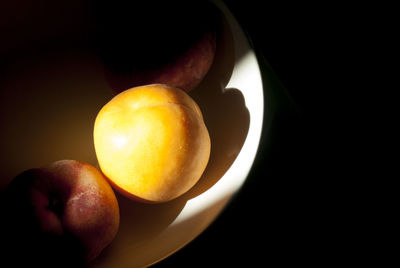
column 50, row 100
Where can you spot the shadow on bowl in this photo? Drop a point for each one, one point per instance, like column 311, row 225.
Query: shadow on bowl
column 227, row 120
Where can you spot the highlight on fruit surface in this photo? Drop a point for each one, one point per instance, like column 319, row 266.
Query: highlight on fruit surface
column 152, row 143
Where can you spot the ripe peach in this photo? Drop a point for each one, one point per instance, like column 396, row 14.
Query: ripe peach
column 186, row 71
column 65, row 211
column 166, row 42
column 151, row 142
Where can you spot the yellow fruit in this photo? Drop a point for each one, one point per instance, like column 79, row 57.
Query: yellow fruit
column 151, row 142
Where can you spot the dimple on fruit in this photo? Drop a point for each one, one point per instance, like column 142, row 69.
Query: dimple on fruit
column 152, row 143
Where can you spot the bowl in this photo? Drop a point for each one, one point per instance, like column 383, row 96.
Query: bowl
column 50, row 98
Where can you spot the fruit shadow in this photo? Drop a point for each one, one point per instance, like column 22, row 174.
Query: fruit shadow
column 224, row 111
